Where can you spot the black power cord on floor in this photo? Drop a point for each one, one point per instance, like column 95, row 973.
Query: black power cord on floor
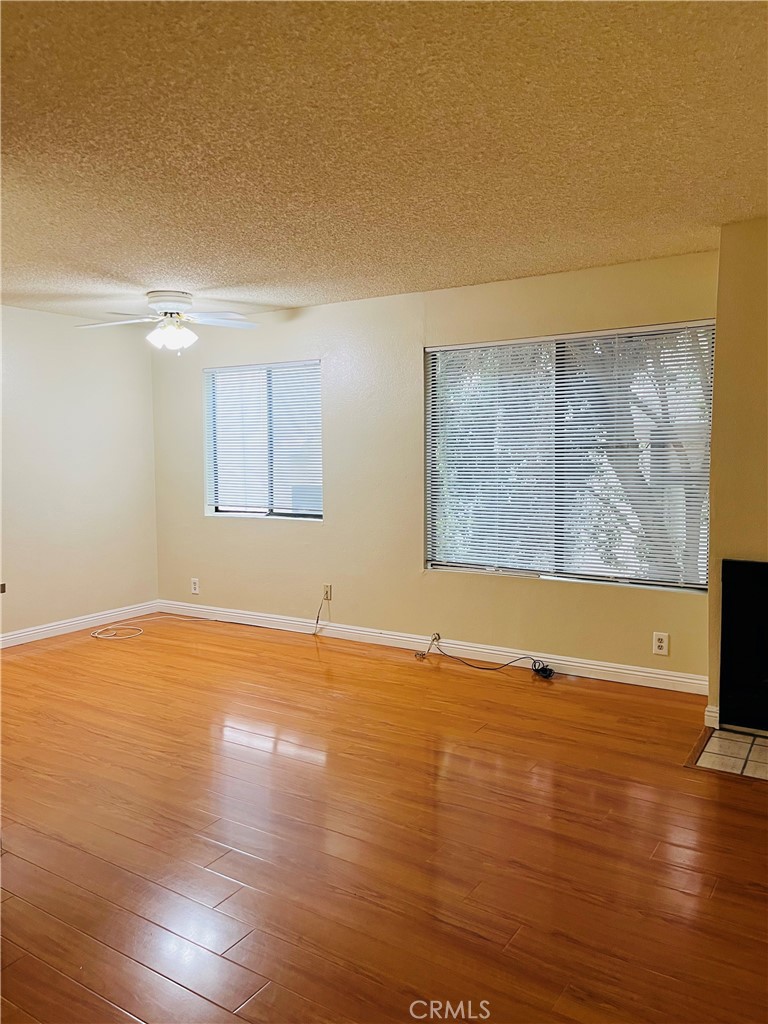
column 539, row 667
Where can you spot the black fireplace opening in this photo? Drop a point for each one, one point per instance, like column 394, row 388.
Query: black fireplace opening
column 744, row 645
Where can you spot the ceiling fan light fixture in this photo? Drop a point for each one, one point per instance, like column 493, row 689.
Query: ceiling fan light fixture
column 171, row 313
column 171, row 334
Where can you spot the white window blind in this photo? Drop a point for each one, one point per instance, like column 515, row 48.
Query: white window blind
column 263, row 445
column 582, row 457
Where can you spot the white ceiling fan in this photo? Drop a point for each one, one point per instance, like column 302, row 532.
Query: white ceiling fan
column 173, row 315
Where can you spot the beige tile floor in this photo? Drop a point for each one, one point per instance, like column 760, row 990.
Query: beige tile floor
column 738, row 753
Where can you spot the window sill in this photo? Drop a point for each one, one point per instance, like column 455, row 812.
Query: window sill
column 262, row 516
column 521, row 574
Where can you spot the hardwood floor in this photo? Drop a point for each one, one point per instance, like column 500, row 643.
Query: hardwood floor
column 219, row 823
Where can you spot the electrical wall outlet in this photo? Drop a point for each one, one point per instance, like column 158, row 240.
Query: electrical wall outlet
column 195, row 582
column 661, row 643
column 327, row 592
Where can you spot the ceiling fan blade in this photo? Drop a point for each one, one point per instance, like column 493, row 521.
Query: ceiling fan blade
column 116, row 323
column 210, row 321
column 200, row 314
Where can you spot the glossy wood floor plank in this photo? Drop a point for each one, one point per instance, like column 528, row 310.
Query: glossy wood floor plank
column 117, row 978
column 152, row 864
column 182, row 961
column 10, row 1013
column 471, row 925
column 218, row 823
column 9, row 953
column 362, row 996
column 185, row 917
column 601, row 988
column 275, row 1003
column 647, row 934
column 356, row 932
column 54, row 998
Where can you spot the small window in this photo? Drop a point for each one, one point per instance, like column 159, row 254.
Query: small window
column 583, row 456
column 263, row 444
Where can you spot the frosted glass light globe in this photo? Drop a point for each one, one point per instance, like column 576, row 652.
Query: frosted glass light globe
column 171, row 334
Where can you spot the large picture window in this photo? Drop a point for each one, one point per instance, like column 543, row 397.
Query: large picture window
column 583, row 457
column 263, row 444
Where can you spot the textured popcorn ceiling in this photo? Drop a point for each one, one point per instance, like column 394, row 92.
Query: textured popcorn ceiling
column 293, row 153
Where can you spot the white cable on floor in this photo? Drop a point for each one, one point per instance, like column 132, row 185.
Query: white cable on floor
column 116, row 631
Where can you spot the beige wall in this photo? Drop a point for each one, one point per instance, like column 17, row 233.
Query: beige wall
column 78, row 484
column 79, row 493
column 370, row 544
column 739, row 486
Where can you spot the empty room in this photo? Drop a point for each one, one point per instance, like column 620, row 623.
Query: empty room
column 384, row 512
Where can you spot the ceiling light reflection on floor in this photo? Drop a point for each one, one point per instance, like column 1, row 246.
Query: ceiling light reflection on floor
column 273, row 745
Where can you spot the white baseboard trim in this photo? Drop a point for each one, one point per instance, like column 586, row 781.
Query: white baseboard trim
column 27, row 636
column 659, row 678
column 712, row 716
